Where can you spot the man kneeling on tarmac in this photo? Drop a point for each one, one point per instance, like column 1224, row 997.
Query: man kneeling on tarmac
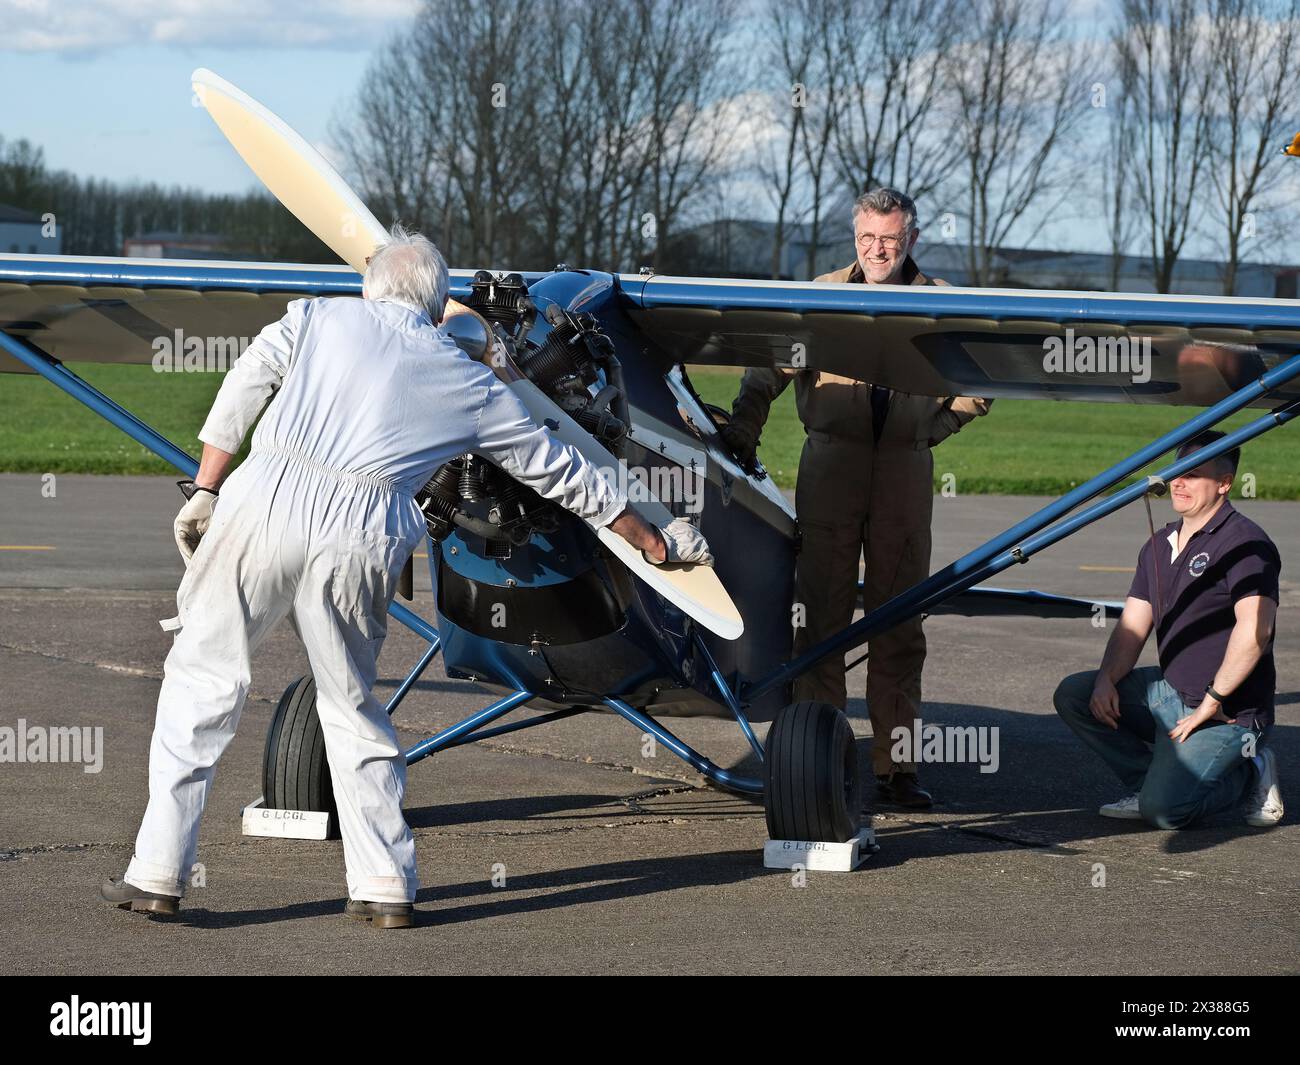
column 1188, row 738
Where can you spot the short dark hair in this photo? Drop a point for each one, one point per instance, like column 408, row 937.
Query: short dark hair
column 1229, row 459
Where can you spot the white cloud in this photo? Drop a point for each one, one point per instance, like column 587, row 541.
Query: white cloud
column 79, row 27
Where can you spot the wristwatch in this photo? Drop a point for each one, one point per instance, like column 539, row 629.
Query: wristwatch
column 188, row 488
column 1220, row 699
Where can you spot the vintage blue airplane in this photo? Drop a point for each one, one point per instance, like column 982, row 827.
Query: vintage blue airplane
column 584, row 635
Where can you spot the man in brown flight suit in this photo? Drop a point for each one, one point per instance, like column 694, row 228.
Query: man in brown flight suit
column 865, row 487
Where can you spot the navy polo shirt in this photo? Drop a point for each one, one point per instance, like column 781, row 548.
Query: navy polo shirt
column 1230, row 559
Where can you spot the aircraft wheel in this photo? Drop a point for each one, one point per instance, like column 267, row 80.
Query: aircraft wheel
column 295, row 774
column 811, row 789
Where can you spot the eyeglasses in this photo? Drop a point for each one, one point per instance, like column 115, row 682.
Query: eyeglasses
column 888, row 243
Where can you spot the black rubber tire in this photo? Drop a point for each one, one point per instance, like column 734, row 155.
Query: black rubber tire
column 295, row 772
column 811, row 789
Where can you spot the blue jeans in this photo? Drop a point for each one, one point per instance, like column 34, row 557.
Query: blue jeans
column 1176, row 783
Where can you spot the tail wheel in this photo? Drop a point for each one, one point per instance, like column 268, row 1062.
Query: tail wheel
column 810, row 775
column 295, row 773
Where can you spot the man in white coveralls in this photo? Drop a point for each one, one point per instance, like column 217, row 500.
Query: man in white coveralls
column 370, row 398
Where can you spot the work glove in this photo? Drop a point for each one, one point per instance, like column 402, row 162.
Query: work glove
column 193, row 521
column 684, row 544
column 742, row 443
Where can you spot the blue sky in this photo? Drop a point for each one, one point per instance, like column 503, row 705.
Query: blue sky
column 103, row 86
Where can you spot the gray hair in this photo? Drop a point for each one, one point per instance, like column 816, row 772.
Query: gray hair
column 409, row 270
column 885, row 200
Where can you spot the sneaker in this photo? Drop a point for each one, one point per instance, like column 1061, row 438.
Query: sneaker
column 1122, row 809
column 1264, row 803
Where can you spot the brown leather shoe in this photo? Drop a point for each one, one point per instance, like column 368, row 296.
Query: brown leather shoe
column 903, row 789
column 381, row 914
column 117, row 892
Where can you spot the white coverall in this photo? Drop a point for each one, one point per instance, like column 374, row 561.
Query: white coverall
column 317, row 525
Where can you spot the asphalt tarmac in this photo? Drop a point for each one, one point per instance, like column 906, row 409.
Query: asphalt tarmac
column 565, row 849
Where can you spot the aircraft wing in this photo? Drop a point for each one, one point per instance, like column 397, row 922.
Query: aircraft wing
column 928, row 340
column 941, row 341
column 81, row 309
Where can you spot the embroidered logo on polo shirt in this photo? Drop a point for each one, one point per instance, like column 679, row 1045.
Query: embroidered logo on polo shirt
column 1199, row 564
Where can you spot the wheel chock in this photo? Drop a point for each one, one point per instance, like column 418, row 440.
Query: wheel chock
column 260, row 820
column 820, row 856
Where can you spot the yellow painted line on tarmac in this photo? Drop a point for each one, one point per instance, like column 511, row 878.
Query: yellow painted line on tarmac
column 27, row 547
column 1108, row 569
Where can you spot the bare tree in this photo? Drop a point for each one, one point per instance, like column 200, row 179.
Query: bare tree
column 483, row 59
column 389, row 149
column 527, row 131
column 1116, row 186
column 686, row 47
column 890, row 100
column 1015, row 80
column 561, row 158
column 790, row 62
column 1254, row 88
column 805, row 109
column 1165, row 72
column 817, row 132
column 618, row 160
column 443, row 121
